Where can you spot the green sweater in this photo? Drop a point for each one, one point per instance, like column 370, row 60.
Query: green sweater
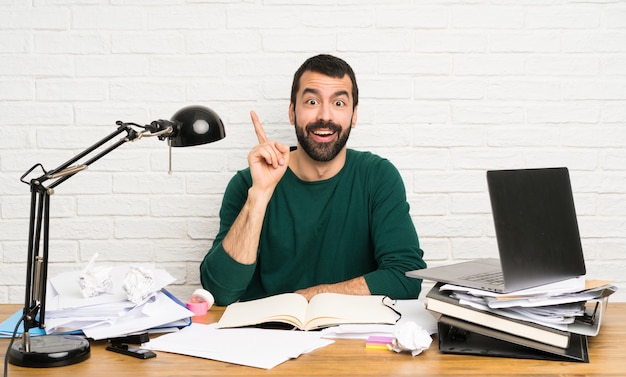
column 355, row 223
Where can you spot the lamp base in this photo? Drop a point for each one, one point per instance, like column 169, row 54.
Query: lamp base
column 50, row 351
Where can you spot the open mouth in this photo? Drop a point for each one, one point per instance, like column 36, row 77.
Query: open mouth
column 323, row 134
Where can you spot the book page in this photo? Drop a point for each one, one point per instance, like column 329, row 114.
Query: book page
column 328, row 309
column 287, row 308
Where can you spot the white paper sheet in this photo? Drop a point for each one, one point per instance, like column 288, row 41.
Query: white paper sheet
column 411, row 310
column 259, row 348
column 66, row 293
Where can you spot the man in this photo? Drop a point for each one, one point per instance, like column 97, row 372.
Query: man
column 320, row 218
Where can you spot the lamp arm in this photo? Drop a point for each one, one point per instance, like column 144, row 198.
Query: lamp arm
column 38, row 233
column 66, row 170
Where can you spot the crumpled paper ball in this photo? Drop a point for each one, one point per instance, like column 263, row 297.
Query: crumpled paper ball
column 410, row 337
column 139, row 284
column 95, row 280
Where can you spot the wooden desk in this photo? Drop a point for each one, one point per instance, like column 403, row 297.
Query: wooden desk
column 345, row 357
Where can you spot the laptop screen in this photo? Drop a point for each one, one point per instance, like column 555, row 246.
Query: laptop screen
column 536, row 225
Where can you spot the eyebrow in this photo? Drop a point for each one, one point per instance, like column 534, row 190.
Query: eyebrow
column 338, row 93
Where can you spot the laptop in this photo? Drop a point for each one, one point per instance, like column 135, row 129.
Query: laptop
column 536, row 230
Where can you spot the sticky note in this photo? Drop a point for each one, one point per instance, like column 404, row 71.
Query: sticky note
column 378, row 342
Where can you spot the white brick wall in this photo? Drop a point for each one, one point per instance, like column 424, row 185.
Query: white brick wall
column 449, row 89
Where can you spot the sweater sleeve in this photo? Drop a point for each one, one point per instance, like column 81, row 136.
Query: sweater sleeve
column 396, row 245
column 220, row 274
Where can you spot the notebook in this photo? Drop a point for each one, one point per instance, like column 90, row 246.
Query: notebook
column 536, row 231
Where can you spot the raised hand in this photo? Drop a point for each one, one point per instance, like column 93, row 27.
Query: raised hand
column 268, row 160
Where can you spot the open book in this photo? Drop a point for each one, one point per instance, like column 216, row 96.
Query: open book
column 324, row 310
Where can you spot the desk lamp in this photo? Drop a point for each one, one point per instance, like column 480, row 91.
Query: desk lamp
column 189, row 126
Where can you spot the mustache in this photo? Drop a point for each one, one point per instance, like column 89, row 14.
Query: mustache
column 323, row 124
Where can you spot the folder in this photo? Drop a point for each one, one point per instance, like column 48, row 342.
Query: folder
column 456, row 336
column 7, row 327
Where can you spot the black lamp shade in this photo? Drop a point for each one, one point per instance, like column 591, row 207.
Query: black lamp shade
column 196, row 125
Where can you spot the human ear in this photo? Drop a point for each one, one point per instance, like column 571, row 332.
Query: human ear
column 292, row 114
column 355, row 116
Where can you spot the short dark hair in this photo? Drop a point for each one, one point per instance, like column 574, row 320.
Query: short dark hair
column 327, row 65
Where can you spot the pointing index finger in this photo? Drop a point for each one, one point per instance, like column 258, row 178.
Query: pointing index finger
column 258, row 128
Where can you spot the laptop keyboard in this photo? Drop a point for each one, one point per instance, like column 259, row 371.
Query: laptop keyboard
column 487, row 277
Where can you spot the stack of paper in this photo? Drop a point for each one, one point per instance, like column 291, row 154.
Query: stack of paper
column 110, row 314
column 546, row 305
column 554, row 318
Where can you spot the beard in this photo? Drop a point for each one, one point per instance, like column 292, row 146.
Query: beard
column 322, row 152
